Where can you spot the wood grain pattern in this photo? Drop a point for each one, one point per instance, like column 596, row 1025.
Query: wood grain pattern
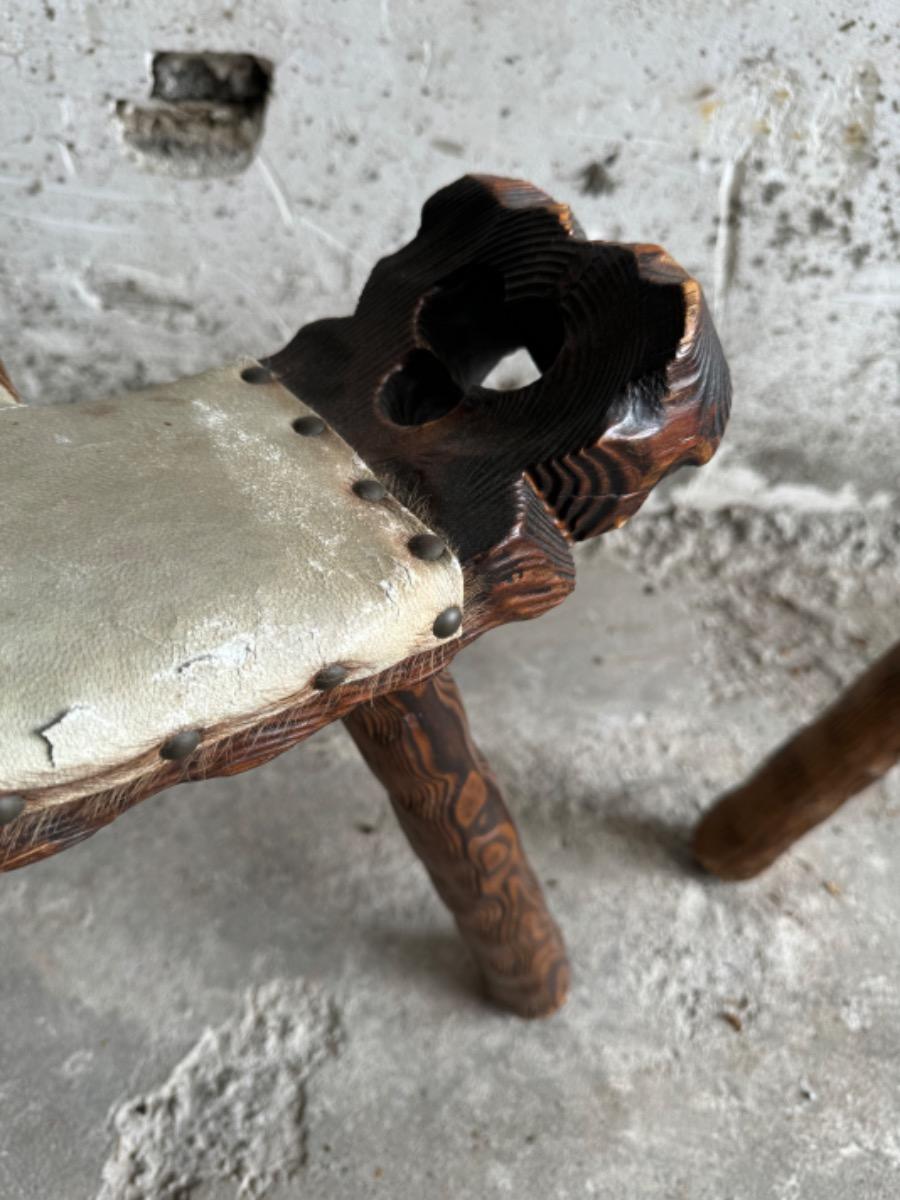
column 417, row 743
column 852, row 744
column 633, row 383
column 669, row 416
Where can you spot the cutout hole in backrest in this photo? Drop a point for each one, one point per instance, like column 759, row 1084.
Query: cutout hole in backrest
column 421, row 390
column 470, row 324
column 471, row 327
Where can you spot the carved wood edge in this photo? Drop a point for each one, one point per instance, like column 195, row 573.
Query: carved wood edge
column 634, row 383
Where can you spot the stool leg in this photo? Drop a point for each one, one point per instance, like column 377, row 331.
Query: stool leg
column 853, row 743
column 416, row 741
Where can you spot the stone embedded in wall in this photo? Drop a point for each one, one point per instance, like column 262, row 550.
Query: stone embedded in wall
column 205, row 116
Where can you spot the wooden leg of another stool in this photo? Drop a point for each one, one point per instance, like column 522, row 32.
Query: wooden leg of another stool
column 852, row 744
column 417, row 743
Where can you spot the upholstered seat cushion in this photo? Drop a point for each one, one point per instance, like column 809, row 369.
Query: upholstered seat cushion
column 182, row 556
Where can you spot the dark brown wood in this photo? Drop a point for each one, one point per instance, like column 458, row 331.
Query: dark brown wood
column 417, row 743
column 852, row 744
column 633, row 384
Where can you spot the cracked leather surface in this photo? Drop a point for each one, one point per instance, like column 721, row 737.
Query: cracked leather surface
column 179, row 556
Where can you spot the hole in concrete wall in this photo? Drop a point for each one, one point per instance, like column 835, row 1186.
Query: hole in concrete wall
column 205, row 115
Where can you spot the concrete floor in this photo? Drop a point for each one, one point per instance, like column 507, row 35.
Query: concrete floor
column 247, row 988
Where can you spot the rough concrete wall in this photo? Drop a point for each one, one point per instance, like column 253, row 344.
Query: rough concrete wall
column 756, row 141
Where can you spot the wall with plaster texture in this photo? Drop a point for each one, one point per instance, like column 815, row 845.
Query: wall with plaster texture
column 757, row 142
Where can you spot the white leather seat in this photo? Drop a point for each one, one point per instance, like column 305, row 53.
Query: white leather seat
column 180, row 557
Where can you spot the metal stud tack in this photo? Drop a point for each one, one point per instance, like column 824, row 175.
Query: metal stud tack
column 370, row 489
column 447, row 622
column 180, row 745
column 257, row 375
column 309, row 426
column 10, row 807
column 427, row 546
column 330, row 677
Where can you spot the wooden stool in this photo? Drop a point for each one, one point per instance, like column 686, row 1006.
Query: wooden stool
column 198, row 576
